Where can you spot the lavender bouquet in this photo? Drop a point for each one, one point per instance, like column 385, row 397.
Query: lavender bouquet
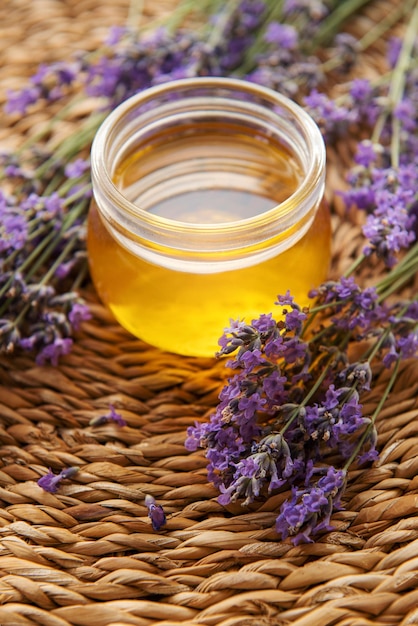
column 290, row 418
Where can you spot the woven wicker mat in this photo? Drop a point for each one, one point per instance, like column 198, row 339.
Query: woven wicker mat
column 87, row 555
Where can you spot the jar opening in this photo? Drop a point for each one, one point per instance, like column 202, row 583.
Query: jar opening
column 208, row 164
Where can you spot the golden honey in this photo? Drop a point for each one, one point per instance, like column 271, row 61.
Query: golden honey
column 206, row 217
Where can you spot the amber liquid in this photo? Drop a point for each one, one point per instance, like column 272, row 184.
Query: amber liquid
column 186, row 312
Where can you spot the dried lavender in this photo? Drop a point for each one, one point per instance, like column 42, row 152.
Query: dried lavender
column 292, row 403
column 290, row 417
column 111, row 416
column 155, row 513
column 265, row 41
column 50, row 482
column 383, row 180
column 43, row 258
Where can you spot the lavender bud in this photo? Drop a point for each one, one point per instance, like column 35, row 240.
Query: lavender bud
column 50, row 481
column 112, row 416
column 155, row 513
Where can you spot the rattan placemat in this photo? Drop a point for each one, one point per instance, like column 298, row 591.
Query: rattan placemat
column 87, row 555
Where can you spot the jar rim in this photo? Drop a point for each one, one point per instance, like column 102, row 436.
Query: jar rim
column 313, row 175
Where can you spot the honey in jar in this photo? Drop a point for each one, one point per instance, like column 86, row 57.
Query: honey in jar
column 208, row 204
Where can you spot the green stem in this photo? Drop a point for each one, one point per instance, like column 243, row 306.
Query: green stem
column 354, row 265
column 135, row 14
column 402, row 280
column 406, row 268
column 398, row 81
column 69, row 183
column 340, row 14
column 375, row 34
column 379, row 29
column 182, row 11
column 48, row 126
column 53, row 184
column 61, row 257
column 70, row 244
column 273, row 13
column 217, row 33
column 57, row 238
column 72, row 146
column 396, row 89
column 82, row 274
column 312, row 315
column 307, row 398
column 27, row 263
column 376, row 412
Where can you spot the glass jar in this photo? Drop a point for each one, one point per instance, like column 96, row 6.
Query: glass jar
column 208, row 203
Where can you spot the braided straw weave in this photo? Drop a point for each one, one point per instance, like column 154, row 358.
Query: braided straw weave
column 87, row 555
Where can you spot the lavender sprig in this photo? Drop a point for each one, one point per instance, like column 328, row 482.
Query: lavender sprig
column 383, row 179
column 155, row 513
column 292, row 401
column 295, row 396
column 43, row 257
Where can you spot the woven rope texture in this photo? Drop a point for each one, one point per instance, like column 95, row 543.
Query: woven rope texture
column 87, row 555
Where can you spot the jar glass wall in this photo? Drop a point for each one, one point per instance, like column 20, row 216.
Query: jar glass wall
column 208, row 203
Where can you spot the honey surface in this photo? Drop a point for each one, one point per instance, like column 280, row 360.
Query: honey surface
column 214, row 174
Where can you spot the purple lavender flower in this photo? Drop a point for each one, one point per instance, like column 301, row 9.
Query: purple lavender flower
column 54, row 75
column 265, row 323
column 294, row 319
column 314, row 9
column 406, row 112
column 53, row 351
column 248, row 406
column 78, row 313
column 309, row 510
column 114, row 416
column 347, row 49
column 355, row 308
column 408, row 345
column 332, row 119
column 388, row 196
column 13, row 230
column 345, row 288
column 116, row 33
column 389, row 228
column 50, row 481
column 54, row 206
column 111, row 416
column 265, row 435
column 401, row 343
column 20, row 101
column 394, row 47
column 358, row 375
column 274, row 388
column 155, row 513
column 283, row 35
column 366, row 153
column 285, row 299
column 275, row 346
column 76, row 168
column 245, row 484
column 361, row 89
column 337, row 417
column 295, row 350
column 250, row 360
column 48, row 83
